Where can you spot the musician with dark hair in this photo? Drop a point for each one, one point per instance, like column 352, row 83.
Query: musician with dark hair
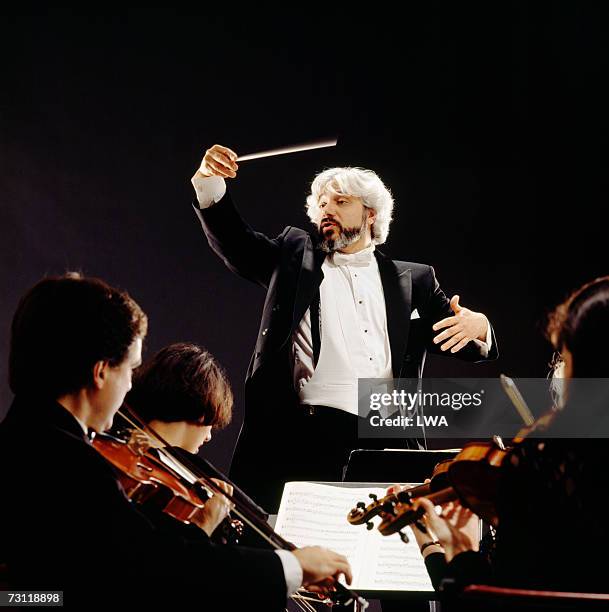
column 182, row 393
column 65, row 521
column 552, row 489
column 76, row 340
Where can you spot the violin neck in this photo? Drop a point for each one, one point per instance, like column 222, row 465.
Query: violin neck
column 422, row 490
column 443, row 496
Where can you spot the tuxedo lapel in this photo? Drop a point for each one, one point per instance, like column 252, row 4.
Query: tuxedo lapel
column 309, row 279
column 397, row 287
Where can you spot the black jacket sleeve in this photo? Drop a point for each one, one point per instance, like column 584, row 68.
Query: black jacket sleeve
column 465, row 568
column 88, row 537
column 245, row 252
column 436, row 568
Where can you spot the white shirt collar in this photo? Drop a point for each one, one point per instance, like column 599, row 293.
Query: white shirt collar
column 361, row 258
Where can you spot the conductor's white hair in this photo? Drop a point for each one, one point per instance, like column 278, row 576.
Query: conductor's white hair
column 359, row 182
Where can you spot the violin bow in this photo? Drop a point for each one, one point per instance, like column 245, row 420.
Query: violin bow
column 512, row 391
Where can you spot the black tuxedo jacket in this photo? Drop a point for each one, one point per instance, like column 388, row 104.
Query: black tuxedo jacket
column 65, row 523
column 278, row 442
column 289, row 267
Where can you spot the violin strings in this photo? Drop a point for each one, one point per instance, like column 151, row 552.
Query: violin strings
column 146, row 429
column 303, row 602
column 294, row 598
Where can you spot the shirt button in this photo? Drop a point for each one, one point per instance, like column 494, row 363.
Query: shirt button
column 370, row 358
column 360, row 302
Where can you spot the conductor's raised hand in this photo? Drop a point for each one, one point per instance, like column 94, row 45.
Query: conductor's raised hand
column 465, row 326
column 218, row 161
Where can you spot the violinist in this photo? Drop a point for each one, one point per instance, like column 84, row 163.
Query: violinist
column 182, row 394
column 552, row 491
column 65, row 522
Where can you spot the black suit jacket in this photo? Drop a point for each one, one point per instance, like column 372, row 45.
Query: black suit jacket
column 289, row 267
column 65, row 523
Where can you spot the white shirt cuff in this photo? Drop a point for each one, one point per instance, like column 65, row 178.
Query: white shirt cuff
column 489, row 336
column 210, row 190
column 292, row 571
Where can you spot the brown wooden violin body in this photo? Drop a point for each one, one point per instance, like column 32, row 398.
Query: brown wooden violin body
column 146, row 480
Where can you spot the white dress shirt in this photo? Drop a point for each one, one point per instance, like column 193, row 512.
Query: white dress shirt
column 355, row 341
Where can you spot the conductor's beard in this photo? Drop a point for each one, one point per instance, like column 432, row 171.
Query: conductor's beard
column 338, row 237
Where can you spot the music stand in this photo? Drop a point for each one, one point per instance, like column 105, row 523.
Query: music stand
column 393, row 466
column 400, row 465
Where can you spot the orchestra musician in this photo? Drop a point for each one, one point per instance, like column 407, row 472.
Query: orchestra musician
column 336, row 310
column 65, row 522
column 182, row 394
column 553, row 488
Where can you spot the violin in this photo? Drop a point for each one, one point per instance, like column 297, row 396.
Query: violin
column 471, row 478
column 149, row 482
column 147, row 478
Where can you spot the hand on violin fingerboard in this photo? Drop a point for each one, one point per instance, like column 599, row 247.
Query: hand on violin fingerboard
column 456, row 528
column 420, row 536
column 215, row 510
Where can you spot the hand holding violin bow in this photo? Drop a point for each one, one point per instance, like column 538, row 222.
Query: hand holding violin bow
column 322, row 567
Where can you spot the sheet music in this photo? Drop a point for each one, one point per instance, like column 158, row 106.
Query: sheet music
column 315, row 514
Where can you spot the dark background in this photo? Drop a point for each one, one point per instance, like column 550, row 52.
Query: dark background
column 489, row 124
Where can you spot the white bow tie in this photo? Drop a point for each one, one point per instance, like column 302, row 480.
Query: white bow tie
column 361, row 258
